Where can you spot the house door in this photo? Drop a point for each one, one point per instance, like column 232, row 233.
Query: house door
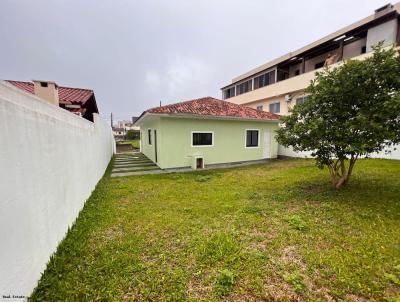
column 267, row 144
column 155, row 144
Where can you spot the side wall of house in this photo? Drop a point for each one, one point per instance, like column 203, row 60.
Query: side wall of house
column 148, row 148
column 50, row 162
column 175, row 141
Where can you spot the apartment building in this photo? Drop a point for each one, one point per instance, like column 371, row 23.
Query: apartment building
column 279, row 84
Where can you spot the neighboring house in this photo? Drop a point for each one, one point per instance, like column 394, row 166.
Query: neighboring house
column 279, row 84
column 206, row 131
column 79, row 101
column 128, row 125
column 119, row 133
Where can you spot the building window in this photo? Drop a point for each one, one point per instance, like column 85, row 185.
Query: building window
column 275, row 107
column 243, row 87
column 202, row 139
column 228, row 93
column 260, row 108
column 264, row 79
column 301, row 100
column 252, row 138
column 319, row 65
column 149, row 135
column 44, row 84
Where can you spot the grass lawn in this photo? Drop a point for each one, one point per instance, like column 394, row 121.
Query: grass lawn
column 135, row 143
column 272, row 232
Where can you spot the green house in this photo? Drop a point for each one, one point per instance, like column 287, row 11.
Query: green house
column 207, row 131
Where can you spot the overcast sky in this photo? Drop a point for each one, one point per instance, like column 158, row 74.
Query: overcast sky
column 134, row 54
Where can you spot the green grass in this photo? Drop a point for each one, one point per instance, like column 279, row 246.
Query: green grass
column 135, row 143
column 273, row 232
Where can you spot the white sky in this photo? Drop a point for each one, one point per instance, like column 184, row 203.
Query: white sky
column 134, row 54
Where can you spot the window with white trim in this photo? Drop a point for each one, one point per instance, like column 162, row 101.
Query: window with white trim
column 252, row 138
column 202, row 138
column 260, row 107
column 275, row 107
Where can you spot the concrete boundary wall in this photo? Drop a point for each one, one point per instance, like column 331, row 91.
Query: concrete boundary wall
column 50, row 162
column 394, row 154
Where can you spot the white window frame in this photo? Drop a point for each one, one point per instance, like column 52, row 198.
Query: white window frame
column 151, row 139
column 261, row 107
column 274, row 103
column 304, row 97
column 245, row 139
column 202, row 146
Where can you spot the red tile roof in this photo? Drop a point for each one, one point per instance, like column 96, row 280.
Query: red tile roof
column 66, row 95
column 209, row 106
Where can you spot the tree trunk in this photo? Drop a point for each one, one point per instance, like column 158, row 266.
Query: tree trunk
column 340, row 173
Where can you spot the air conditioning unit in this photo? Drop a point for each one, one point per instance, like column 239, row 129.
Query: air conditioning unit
column 288, row 97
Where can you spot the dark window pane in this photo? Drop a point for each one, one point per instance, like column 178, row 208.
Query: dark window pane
column 252, row 138
column 202, row 139
column 319, row 65
column 149, row 135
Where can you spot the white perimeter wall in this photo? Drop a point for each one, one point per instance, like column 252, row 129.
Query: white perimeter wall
column 394, row 154
column 50, row 162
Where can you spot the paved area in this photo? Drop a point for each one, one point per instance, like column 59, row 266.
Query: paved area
column 136, row 163
column 133, row 163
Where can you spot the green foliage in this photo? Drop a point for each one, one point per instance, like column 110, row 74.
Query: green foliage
column 132, row 135
column 225, row 281
column 352, row 110
column 168, row 237
column 296, row 281
column 220, row 247
column 297, row 223
column 393, row 278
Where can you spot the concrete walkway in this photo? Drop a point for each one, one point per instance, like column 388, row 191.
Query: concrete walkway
column 133, row 163
column 136, row 163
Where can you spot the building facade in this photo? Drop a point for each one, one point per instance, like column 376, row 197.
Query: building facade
column 206, row 131
column 279, row 84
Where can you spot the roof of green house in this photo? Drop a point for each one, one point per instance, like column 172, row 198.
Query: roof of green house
column 212, row 107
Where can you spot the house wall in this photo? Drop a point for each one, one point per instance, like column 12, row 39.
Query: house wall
column 50, row 162
column 285, row 106
column 175, row 134
column 146, row 148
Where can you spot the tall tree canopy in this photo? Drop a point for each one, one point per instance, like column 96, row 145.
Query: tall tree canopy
column 352, row 110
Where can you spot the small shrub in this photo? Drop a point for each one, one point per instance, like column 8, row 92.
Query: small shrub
column 296, row 222
column 225, row 281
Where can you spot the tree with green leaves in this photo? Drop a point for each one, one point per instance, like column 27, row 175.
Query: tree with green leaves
column 351, row 111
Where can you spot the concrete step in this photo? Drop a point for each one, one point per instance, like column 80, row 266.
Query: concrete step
column 135, row 169
column 135, row 165
column 133, row 162
column 138, row 173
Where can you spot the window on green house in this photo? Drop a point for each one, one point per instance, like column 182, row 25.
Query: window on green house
column 252, row 138
column 202, row 138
